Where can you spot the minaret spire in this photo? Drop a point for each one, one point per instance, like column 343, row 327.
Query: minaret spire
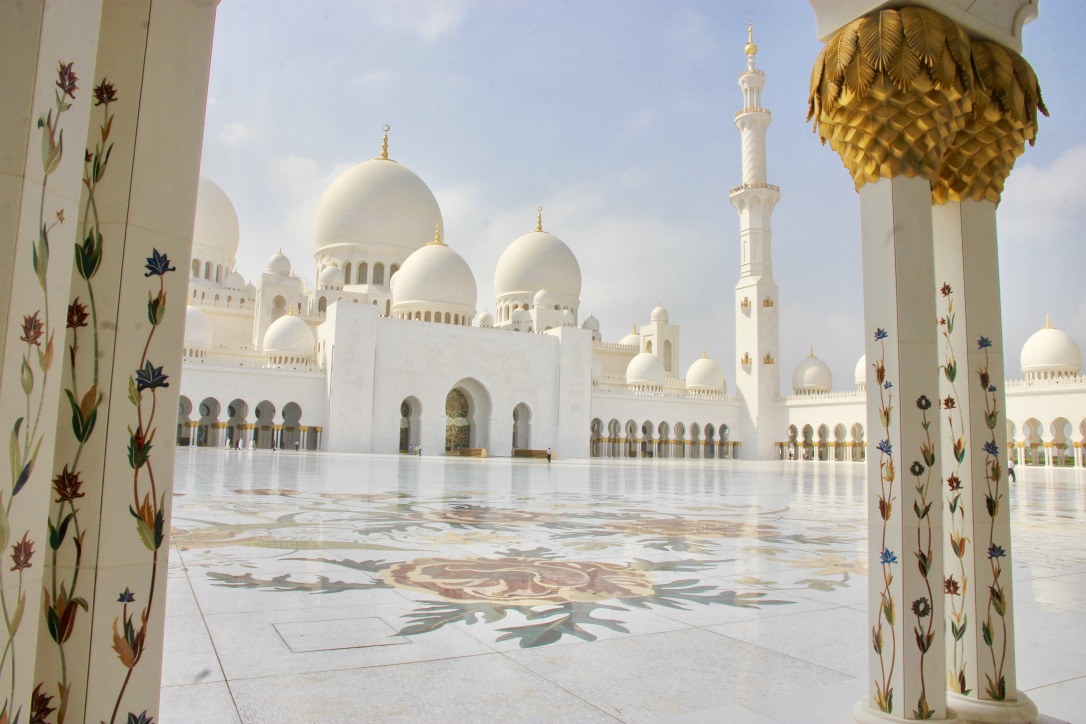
column 757, row 331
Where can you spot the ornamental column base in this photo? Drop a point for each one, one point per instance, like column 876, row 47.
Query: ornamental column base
column 985, row 711
column 862, row 713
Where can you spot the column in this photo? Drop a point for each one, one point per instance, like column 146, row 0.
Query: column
column 99, row 640
column 48, row 63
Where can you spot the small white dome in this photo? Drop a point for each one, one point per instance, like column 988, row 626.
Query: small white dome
column 544, row 299
column 812, row 376
column 705, row 375
column 290, row 336
column 1050, row 352
column 591, row 323
column 861, row 372
column 197, row 329
column 567, row 318
column 234, row 280
column 659, row 315
column 279, row 264
column 215, row 231
column 486, row 319
column 645, row 369
column 538, row 260
column 633, row 338
column 377, row 205
column 520, row 316
column 435, row 275
column 331, row 278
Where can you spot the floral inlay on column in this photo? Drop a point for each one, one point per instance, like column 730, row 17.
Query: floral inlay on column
column 37, row 333
column 925, row 622
column 884, row 693
column 993, row 474
column 148, row 502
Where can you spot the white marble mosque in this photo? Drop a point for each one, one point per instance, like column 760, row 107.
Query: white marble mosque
column 703, row 547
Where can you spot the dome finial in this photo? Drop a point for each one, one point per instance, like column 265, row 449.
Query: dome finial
column 1048, row 322
column 539, row 218
column 704, row 353
column 751, row 48
column 290, row 312
column 811, row 355
column 384, row 142
column 437, row 236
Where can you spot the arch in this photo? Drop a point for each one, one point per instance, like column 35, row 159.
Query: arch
column 725, row 442
column 839, row 442
column 207, row 270
column 392, row 271
column 236, row 424
column 859, row 449
column 595, row 436
column 426, row 317
column 522, row 427
column 279, row 307
column 195, row 268
column 290, row 437
column 218, row 274
column 808, row 443
column 695, row 441
column 648, row 345
column 347, row 272
column 410, row 414
column 379, row 273
column 207, row 429
column 631, row 439
column 322, row 305
column 363, row 273
column 1061, row 442
column 666, row 356
column 264, row 434
column 467, row 416
column 710, row 442
column 679, row 443
column 448, row 318
column 184, row 429
column 1034, row 444
column 388, row 307
column 663, row 440
column 646, row 439
column 614, row 435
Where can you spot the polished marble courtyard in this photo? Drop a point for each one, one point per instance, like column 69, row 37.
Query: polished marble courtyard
column 345, row 588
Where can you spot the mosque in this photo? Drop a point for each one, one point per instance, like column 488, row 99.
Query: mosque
column 390, row 352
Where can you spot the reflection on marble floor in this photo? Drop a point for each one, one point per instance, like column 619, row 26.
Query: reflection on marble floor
column 348, row 588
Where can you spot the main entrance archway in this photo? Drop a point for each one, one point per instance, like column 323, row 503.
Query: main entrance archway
column 467, row 416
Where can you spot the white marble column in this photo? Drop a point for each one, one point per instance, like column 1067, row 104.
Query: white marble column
column 978, row 587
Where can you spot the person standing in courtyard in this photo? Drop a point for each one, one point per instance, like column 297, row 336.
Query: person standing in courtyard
column 1010, row 470
column 548, row 455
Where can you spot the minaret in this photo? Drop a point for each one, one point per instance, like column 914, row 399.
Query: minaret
column 757, row 335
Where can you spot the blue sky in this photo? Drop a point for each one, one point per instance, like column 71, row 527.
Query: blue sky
column 616, row 117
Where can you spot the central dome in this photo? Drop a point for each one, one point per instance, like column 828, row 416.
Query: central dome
column 377, row 205
column 535, row 262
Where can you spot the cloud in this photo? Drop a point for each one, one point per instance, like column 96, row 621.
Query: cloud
column 236, row 134
column 1042, row 204
column 429, row 19
column 372, row 81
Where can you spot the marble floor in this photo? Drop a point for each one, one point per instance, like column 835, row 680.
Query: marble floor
column 346, row 588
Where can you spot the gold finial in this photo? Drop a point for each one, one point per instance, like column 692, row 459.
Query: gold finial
column 437, row 235
column 1048, row 322
column 635, row 328
column 704, row 353
column 811, row 355
column 384, row 142
column 751, row 48
column 539, row 218
column 290, row 312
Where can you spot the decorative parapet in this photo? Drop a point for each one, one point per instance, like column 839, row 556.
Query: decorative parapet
column 744, row 187
column 615, row 345
column 754, row 110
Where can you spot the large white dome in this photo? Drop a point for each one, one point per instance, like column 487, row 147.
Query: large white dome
column 379, row 206
column 537, row 261
column 1050, row 352
column 435, row 275
column 289, row 336
column 197, row 329
column 215, row 232
column 861, row 372
column 812, row 376
column 645, row 369
column 705, row 375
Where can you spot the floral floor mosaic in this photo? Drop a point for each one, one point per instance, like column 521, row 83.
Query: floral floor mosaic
column 308, row 587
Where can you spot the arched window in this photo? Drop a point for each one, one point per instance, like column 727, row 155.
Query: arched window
column 426, row 318
column 378, row 273
column 322, row 305
column 207, row 270
column 218, row 274
column 447, row 318
column 392, row 271
column 195, row 268
column 388, row 307
column 363, row 272
column 667, row 355
column 347, row 272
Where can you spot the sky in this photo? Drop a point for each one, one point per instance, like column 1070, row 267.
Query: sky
column 615, row 116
